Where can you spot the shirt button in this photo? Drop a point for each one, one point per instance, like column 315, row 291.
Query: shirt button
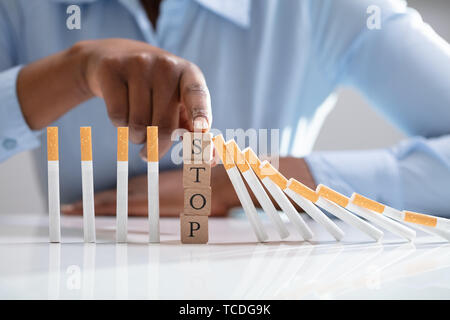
column 9, row 143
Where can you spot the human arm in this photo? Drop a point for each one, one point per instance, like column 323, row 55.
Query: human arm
column 402, row 69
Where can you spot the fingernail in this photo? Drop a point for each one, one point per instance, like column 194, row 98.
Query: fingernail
column 201, row 123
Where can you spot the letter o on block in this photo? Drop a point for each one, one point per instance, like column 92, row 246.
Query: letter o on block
column 197, row 201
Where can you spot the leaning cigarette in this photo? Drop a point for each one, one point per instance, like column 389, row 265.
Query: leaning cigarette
column 337, row 211
column 122, row 185
column 377, row 219
column 53, row 185
column 413, row 218
column 293, row 189
column 349, row 218
column 433, row 231
column 282, row 200
column 257, row 188
column 309, row 194
column 239, row 187
column 153, row 184
column 87, row 178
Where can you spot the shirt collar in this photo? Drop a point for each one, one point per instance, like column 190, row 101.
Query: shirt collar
column 237, row 11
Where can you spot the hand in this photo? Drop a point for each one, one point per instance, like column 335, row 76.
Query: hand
column 142, row 85
column 171, row 192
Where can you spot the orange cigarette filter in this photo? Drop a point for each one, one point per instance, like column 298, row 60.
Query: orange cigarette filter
column 303, row 190
column 86, row 143
column 152, row 144
column 269, row 171
column 253, row 161
column 122, row 144
column 332, row 195
column 367, row 203
column 221, row 149
column 52, row 144
column 238, row 157
column 419, row 218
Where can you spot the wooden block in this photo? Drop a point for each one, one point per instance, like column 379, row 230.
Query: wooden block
column 197, row 201
column 194, row 229
column 197, row 175
column 197, row 147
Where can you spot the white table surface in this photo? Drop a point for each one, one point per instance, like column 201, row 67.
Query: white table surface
column 232, row 266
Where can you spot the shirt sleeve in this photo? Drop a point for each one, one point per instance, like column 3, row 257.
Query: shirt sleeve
column 402, row 69
column 15, row 134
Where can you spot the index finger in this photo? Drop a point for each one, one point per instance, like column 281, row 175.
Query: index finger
column 196, row 98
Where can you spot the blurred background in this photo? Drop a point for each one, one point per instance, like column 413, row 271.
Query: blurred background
column 20, row 191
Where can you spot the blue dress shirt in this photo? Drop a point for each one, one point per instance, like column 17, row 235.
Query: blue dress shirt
column 268, row 64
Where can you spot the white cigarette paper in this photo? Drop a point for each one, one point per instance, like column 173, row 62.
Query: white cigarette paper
column 122, row 185
column 87, row 177
column 153, row 184
column 53, row 184
column 54, row 202
column 239, row 187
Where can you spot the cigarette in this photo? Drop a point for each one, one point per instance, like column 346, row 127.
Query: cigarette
column 291, row 189
column 239, row 187
column 87, row 179
column 153, row 184
column 257, row 188
column 377, row 219
column 294, row 217
column 122, row 185
column 412, row 218
column 53, row 185
column 433, row 231
column 349, row 218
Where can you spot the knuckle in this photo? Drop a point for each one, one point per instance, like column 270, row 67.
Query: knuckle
column 192, row 67
column 165, row 130
column 117, row 116
column 138, row 124
column 140, row 62
column 167, row 64
column 110, row 63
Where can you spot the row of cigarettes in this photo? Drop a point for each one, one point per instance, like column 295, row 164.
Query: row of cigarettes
column 87, row 174
column 356, row 211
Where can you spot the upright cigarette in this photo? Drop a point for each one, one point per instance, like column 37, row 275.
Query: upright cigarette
column 377, row 219
column 122, row 185
column 290, row 189
column 53, row 185
column 87, row 177
column 153, row 184
column 412, row 218
column 239, row 187
column 257, row 188
column 294, row 217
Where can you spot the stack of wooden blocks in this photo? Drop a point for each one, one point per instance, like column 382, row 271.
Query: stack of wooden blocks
column 197, row 157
